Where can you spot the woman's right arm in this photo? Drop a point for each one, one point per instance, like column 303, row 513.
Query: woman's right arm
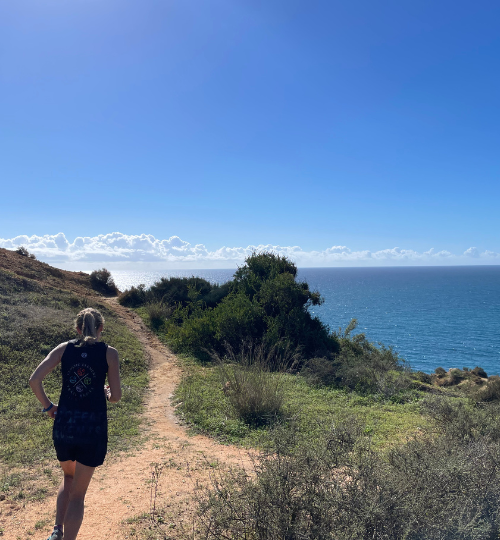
column 45, row 367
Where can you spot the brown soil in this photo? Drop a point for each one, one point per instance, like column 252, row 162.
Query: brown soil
column 118, row 502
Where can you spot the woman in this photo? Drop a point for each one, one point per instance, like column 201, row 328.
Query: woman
column 80, row 431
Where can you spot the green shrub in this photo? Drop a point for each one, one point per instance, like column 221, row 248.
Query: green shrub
column 174, row 290
column 24, row 252
column 440, row 372
column 191, row 335
column 319, row 371
column 157, row 313
column 216, row 294
column 237, row 319
column 422, row 377
column 479, row 371
column 102, row 281
column 361, row 365
column 133, row 297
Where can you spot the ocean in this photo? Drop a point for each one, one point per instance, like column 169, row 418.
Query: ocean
column 446, row 316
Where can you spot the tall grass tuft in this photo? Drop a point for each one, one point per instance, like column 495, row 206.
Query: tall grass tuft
column 157, row 313
column 253, row 380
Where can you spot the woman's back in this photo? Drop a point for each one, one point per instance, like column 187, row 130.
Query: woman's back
column 81, row 414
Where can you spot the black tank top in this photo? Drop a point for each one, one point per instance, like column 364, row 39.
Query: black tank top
column 81, row 412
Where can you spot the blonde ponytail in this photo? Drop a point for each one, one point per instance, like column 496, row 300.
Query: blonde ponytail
column 88, row 321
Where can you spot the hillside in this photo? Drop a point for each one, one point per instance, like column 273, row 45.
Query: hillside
column 25, row 267
column 38, row 304
column 403, row 464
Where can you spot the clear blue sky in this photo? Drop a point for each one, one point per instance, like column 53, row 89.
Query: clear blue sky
column 319, row 123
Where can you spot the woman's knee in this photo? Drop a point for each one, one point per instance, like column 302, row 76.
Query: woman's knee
column 77, row 498
column 68, row 478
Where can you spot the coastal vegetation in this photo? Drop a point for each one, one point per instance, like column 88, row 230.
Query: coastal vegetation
column 348, row 443
column 442, row 483
column 351, row 443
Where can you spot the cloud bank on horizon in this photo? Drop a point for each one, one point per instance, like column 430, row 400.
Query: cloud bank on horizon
column 122, row 250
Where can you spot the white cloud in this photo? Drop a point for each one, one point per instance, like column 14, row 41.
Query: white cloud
column 145, row 250
column 472, row 252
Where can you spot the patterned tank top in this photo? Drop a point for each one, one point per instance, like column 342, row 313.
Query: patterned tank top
column 81, row 412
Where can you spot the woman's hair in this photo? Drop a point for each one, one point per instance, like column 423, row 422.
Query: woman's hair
column 88, row 321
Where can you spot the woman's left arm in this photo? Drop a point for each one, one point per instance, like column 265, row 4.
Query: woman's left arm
column 45, row 367
column 114, row 390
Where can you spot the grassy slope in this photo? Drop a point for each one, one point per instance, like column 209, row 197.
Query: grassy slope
column 204, row 406
column 34, row 318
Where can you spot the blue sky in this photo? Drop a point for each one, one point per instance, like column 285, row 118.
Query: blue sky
column 370, row 125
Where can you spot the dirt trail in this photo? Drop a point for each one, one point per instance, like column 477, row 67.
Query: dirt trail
column 120, row 489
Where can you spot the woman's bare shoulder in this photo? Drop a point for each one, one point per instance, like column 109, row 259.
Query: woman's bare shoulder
column 111, row 354
column 61, row 348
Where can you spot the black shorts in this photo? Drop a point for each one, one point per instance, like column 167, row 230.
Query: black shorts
column 92, row 454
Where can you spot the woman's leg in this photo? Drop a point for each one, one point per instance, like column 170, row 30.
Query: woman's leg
column 68, row 468
column 74, row 513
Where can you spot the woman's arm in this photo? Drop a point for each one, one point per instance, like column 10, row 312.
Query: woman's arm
column 45, row 367
column 114, row 390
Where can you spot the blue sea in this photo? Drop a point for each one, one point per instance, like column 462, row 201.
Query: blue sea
column 432, row 316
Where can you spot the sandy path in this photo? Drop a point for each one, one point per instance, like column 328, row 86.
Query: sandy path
column 120, row 490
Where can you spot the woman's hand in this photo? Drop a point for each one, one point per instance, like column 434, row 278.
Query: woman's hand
column 53, row 411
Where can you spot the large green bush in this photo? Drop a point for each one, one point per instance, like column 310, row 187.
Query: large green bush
column 264, row 303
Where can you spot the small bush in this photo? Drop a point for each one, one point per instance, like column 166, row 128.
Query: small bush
column 255, row 395
column 392, row 383
column 133, row 297
column 319, row 371
column 487, row 392
column 422, row 377
column 24, row 252
column 54, row 271
column 103, row 282
column 479, row 371
column 175, row 290
column 157, row 313
column 440, row 372
column 361, row 365
column 455, row 376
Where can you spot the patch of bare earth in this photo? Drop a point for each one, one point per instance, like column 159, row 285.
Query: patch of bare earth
column 119, row 499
